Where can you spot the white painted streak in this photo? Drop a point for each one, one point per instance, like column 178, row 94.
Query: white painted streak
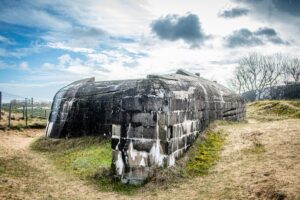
column 133, row 153
column 49, row 128
column 171, row 160
column 119, row 164
column 142, row 163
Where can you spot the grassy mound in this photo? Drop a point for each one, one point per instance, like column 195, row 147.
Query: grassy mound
column 81, row 156
column 273, row 110
column 87, row 157
column 90, row 159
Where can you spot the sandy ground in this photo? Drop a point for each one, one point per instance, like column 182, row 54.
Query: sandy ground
column 239, row 174
column 46, row 182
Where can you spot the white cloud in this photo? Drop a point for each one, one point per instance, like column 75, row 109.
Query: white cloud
column 29, row 85
column 3, row 65
column 23, row 14
column 48, row 66
column 3, row 52
column 74, row 65
column 64, row 59
column 24, row 65
column 214, row 63
column 5, row 40
column 79, row 69
column 98, row 57
column 114, row 16
column 94, row 29
column 61, row 45
column 21, row 52
column 40, row 91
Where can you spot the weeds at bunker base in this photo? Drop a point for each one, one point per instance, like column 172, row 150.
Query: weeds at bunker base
column 151, row 121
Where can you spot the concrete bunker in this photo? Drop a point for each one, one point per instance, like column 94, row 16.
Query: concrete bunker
column 151, row 121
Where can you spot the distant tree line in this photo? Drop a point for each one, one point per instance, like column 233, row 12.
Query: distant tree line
column 256, row 72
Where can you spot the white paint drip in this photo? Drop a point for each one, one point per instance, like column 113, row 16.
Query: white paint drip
column 129, row 129
column 70, row 103
column 171, row 160
column 155, row 150
column 140, row 139
column 161, row 93
column 133, row 153
column 66, row 107
column 49, row 128
column 117, row 147
column 116, row 87
column 206, row 102
column 182, row 94
column 221, row 96
column 136, row 96
column 119, row 164
column 205, row 92
column 155, row 153
column 191, row 90
column 116, row 130
column 142, row 163
column 188, row 124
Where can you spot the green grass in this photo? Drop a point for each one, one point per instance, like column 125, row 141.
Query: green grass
column 85, row 162
column 89, row 158
column 205, row 153
column 81, row 156
column 197, row 161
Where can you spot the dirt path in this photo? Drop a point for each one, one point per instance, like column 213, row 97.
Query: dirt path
column 259, row 161
column 18, row 140
column 37, row 178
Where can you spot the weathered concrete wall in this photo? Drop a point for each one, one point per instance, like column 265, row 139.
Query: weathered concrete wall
column 152, row 121
column 87, row 107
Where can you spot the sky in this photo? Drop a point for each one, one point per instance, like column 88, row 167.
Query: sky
column 47, row 44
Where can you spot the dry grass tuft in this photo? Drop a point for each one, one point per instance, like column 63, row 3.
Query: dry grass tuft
column 270, row 110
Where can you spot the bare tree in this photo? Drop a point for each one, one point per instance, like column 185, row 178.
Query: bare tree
column 256, row 72
column 236, row 83
column 293, row 68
